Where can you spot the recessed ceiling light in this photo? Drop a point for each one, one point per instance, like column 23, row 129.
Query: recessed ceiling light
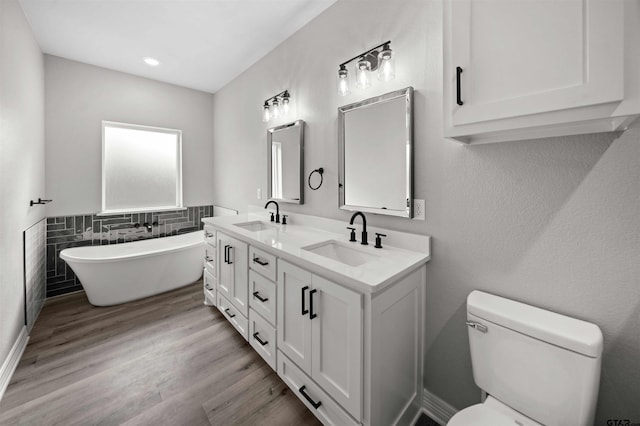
column 152, row 62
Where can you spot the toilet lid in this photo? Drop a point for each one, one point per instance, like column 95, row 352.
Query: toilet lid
column 480, row 415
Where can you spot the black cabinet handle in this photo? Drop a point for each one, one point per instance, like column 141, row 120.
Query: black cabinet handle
column 458, row 89
column 260, row 261
column 263, row 343
column 208, row 259
column 312, row 315
column 304, row 310
column 231, row 248
column 230, row 315
column 260, row 298
column 208, row 235
column 308, row 398
column 226, row 254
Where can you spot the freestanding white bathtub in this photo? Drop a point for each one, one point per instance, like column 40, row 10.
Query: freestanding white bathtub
column 118, row 273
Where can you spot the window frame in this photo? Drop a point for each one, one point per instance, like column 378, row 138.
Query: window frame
column 179, row 192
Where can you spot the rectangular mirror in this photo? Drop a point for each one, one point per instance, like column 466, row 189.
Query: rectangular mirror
column 285, row 162
column 375, row 139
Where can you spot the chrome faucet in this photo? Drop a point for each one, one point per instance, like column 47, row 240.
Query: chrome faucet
column 364, row 226
column 277, row 210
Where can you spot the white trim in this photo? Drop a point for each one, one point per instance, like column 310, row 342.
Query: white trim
column 11, row 363
column 141, row 210
column 436, row 408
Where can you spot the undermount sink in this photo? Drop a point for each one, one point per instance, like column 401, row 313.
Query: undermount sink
column 255, row 226
column 341, row 252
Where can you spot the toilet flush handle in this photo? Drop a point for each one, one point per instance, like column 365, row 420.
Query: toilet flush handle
column 480, row 327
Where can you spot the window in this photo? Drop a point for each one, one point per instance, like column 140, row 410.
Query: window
column 141, row 168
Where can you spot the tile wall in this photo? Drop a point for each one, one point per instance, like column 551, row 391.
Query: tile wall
column 92, row 230
column 34, row 271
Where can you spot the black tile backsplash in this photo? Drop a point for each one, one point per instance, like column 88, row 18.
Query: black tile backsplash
column 92, row 230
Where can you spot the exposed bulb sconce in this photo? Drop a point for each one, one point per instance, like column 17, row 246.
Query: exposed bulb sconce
column 276, row 106
column 368, row 62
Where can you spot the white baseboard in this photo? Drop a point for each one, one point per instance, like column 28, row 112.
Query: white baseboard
column 9, row 365
column 436, row 408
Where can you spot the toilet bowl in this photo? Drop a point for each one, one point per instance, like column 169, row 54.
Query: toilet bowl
column 537, row 367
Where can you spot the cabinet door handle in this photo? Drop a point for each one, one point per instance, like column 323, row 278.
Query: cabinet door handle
column 260, row 261
column 308, row 398
column 304, row 309
column 458, row 88
column 230, row 315
column 208, row 235
column 263, row 343
column 226, row 254
column 312, row 315
column 208, row 259
column 230, row 248
column 260, row 298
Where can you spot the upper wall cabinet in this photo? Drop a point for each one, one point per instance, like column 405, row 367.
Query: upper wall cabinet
column 531, row 69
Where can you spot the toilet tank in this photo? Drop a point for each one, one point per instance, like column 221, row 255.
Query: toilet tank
column 540, row 363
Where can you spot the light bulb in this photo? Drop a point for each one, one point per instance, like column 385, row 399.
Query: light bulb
column 285, row 104
column 362, row 73
column 266, row 114
column 276, row 108
column 343, row 81
column 386, row 68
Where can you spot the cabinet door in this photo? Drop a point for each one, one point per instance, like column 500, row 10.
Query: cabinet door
column 336, row 330
column 233, row 280
column 225, row 270
column 294, row 327
column 525, row 57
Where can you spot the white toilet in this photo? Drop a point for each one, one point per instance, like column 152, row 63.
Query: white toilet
column 537, row 367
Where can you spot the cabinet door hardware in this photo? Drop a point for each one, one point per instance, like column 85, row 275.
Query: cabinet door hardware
column 226, row 254
column 230, row 248
column 208, row 259
column 304, row 309
column 208, row 234
column 312, row 315
column 315, row 405
column 260, row 261
column 257, row 337
column 230, row 314
column 458, row 88
column 260, row 298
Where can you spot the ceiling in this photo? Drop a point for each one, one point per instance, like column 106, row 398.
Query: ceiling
column 201, row 44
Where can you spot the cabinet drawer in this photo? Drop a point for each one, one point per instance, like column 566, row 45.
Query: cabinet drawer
column 233, row 316
column 329, row 412
column 209, row 289
column 210, row 258
column 262, row 296
column 262, row 262
column 262, row 336
column 210, row 235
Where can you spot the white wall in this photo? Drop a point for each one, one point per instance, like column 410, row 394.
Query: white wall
column 79, row 96
column 21, row 159
column 554, row 223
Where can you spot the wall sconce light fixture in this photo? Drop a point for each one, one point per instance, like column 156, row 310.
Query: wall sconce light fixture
column 276, row 106
column 369, row 61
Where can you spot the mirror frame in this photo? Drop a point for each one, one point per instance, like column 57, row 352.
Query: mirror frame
column 407, row 94
column 270, row 132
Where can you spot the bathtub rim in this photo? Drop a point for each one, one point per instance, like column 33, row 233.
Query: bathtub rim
column 64, row 254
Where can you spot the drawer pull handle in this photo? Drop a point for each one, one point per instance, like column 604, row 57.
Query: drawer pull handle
column 208, row 235
column 308, row 398
column 458, row 88
column 262, row 342
column 260, row 261
column 230, row 315
column 208, row 259
column 260, row 298
column 226, row 253
column 229, row 256
column 208, row 287
column 312, row 314
column 304, row 309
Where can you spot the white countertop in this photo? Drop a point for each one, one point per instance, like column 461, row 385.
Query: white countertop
column 287, row 242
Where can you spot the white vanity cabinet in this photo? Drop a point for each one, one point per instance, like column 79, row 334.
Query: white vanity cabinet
column 233, row 272
column 209, row 263
column 320, row 330
column 524, row 70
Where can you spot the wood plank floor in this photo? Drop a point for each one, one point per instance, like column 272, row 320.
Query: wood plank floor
column 164, row 360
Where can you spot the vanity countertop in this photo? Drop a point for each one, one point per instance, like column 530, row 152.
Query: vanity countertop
column 381, row 268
